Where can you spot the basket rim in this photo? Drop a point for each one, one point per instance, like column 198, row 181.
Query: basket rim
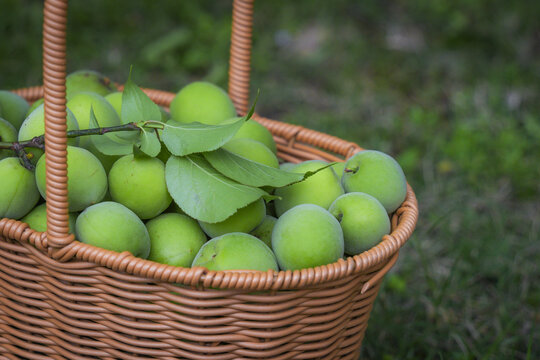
column 403, row 223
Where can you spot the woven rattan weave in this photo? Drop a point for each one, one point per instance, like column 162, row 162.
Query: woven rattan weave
column 60, row 299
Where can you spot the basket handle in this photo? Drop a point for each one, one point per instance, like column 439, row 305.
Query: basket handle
column 54, row 87
column 54, row 79
column 240, row 57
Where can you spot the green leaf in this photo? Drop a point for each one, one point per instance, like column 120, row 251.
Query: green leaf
column 202, row 192
column 137, row 152
column 109, row 143
column 252, row 109
column 249, row 172
column 184, row 139
column 136, row 105
column 149, row 142
column 131, row 136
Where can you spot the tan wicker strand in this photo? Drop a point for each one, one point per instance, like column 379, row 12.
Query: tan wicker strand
column 54, row 74
column 16, row 230
column 31, row 94
column 240, row 56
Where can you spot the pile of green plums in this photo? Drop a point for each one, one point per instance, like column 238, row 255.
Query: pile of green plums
column 122, row 203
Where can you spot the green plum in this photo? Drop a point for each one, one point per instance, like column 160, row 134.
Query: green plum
column 252, row 150
column 37, row 219
column 363, row 219
column 81, row 103
column 18, row 192
column 251, row 129
column 34, row 125
column 115, row 99
column 8, row 133
column 235, row 251
column 307, row 236
column 87, row 180
column 175, row 239
column 14, row 108
column 106, row 116
column 320, row 189
column 202, row 102
column 113, row 226
column 34, row 106
column 338, row 169
column 263, row 232
column 89, row 81
column 377, row 174
column 139, row 184
column 244, row 220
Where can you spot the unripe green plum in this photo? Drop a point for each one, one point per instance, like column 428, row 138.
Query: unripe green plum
column 235, row 251
column 377, row 174
column 175, row 239
column 18, row 190
column 363, row 219
column 338, row 169
column 34, row 125
column 139, row 183
column 202, row 102
column 88, row 81
column 34, row 106
column 87, row 181
column 253, row 130
column 113, row 226
column 37, row 219
column 252, row 150
column 80, row 104
column 320, row 189
column 263, row 232
column 307, row 236
column 14, row 108
column 244, row 220
column 8, row 133
column 115, row 99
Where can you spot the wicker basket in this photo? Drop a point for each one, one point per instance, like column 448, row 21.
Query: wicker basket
column 61, row 299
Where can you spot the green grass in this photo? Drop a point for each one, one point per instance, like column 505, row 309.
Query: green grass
column 449, row 88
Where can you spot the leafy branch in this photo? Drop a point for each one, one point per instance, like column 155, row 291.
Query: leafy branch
column 207, row 182
column 39, row 141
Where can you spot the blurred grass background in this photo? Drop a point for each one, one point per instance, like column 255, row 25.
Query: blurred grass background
column 451, row 89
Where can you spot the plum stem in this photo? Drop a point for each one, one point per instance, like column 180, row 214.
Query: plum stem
column 23, row 157
column 351, row 170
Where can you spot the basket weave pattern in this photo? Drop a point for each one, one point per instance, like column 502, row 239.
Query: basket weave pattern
column 63, row 299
